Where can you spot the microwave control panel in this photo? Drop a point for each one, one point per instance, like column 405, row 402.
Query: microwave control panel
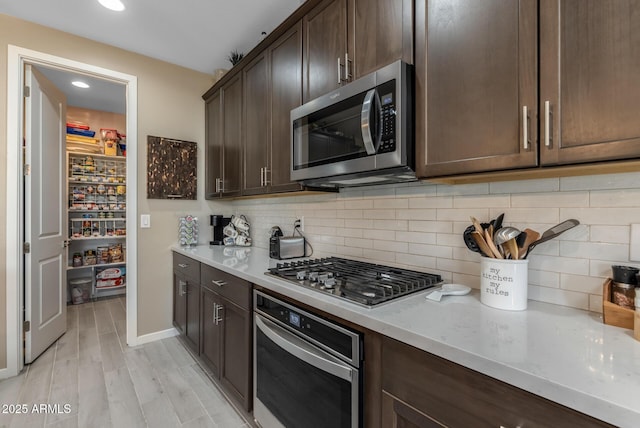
column 387, row 122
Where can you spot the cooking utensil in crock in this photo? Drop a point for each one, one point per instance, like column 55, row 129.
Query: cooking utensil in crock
column 552, row 233
column 505, row 234
column 530, row 237
column 492, row 246
column 482, row 244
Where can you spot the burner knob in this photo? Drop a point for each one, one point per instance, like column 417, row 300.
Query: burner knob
column 313, row 276
column 300, row 275
column 328, row 283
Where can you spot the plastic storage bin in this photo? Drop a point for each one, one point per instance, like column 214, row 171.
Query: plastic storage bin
column 80, row 289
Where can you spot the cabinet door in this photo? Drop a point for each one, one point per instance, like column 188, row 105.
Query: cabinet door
column 210, row 331
column 398, row 414
column 285, row 57
column 257, row 118
column 213, row 154
column 589, row 91
column 456, row 396
column 180, row 303
column 325, row 38
column 382, row 33
column 476, row 70
column 232, row 136
column 236, row 349
column 193, row 316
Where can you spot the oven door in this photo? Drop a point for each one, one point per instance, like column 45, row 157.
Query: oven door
column 296, row 384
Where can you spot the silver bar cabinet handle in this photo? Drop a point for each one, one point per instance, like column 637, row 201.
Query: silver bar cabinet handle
column 183, row 265
column 525, row 128
column 215, row 314
column 219, row 319
column 266, row 180
column 218, row 283
column 347, row 75
column 339, row 74
column 547, row 124
column 183, row 286
column 261, row 177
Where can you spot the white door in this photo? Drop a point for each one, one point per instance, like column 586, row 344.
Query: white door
column 45, row 214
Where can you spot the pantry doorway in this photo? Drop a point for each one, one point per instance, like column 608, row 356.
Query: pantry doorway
column 19, row 214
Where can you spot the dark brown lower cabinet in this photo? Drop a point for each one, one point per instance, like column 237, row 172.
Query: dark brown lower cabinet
column 226, row 332
column 186, row 299
column 422, row 390
column 210, row 331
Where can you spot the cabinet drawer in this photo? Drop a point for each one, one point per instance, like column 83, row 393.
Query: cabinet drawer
column 228, row 286
column 186, row 266
column 455, row 396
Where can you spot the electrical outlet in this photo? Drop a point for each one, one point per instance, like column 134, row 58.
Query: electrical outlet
column 634, row 243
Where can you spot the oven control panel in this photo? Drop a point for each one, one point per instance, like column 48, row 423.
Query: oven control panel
column 328, row 334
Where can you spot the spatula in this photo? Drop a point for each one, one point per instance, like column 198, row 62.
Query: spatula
column 554, row 232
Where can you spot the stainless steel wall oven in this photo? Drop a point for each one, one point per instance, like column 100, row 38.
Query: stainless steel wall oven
column 307, row 369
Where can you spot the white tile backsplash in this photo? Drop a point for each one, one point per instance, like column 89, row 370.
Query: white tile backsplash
column 419, row 226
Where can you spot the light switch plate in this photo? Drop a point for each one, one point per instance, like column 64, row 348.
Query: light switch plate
column 634, row 243
column 145, row 221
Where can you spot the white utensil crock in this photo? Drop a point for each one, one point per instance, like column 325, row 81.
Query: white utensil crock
column 503, row 283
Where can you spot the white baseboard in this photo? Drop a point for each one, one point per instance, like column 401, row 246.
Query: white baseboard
column 6, row 373
column 152, row 337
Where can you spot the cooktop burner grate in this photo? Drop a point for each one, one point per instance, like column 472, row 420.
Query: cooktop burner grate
column 364, row 283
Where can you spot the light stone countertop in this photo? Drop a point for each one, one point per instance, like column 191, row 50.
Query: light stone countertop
column 565, row 355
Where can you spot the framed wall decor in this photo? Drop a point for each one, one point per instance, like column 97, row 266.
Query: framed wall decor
column 172, row 168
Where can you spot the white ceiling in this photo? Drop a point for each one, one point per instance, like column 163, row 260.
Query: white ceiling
column 197, row 34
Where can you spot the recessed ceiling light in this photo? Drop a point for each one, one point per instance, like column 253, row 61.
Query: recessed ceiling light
column 79, row 84
column 112, row 4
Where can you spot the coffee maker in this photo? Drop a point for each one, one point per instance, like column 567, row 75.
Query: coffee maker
column 218, row 222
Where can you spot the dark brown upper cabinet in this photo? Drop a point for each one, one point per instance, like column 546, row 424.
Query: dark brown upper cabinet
column 346, row 39
column 256, row 136
column 213, row 147
column 272, row 87
column 285, row 60
column 589, row 70
column 476, row 86
column 223, row 137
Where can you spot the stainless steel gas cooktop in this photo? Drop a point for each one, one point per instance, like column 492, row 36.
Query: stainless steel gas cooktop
column 364, row 283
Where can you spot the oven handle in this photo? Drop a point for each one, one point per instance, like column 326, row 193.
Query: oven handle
column 303, row 350
column 365, row 122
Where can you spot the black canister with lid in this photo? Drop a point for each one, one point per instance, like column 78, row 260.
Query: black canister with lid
column 625, row 279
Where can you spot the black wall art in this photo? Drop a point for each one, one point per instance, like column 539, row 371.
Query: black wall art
column 172, row 168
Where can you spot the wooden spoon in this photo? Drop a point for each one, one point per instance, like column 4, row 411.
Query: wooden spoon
column 532, row 236
column 477, row 225
column 492, row 246
column 512, row 247
column 482, row 244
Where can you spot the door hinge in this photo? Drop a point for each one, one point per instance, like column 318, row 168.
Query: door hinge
column 27, row 169
column 26, row 248
column 27, row 91
column 27, row 326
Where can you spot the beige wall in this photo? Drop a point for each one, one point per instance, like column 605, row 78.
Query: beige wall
column 169, row 104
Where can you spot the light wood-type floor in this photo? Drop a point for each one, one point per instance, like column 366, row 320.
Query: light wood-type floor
column 107, row 384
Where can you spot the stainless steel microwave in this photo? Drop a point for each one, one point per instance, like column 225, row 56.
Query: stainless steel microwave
column 359, row 134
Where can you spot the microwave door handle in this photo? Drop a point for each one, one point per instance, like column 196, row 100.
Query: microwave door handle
column 300, row 349
column 365, row 122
